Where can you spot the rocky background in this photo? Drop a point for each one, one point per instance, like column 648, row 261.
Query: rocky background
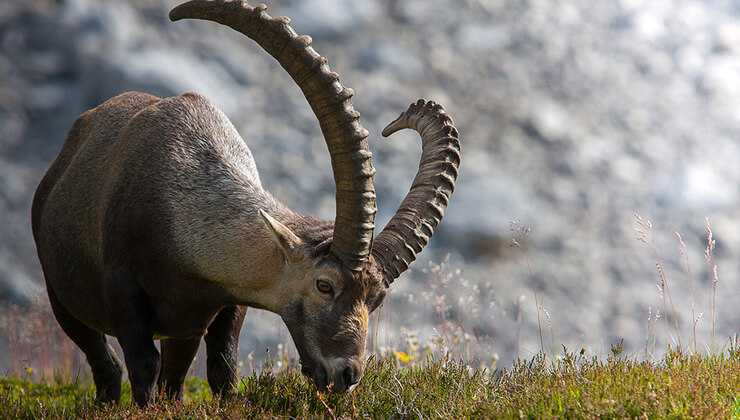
column 574, row 116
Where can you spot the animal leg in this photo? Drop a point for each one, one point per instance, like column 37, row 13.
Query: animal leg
column 105, row 366
column 142, row 361
column 132, row 325
column 177, row 355
column 222, row 347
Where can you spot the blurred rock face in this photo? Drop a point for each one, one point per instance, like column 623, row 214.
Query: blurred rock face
column 573, row 116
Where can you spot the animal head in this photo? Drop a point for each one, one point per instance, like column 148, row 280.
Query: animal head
column 339, row 273
column 326, row 305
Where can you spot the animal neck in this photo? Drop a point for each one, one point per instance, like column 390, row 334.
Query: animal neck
column 233, row 248
column 274, row 286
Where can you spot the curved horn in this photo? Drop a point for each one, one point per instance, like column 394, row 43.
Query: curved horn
column 345, row 138
column 408, row 232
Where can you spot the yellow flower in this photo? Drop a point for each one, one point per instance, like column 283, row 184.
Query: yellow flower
column 403, row 357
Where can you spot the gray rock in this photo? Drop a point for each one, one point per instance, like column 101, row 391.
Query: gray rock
column 573, row 115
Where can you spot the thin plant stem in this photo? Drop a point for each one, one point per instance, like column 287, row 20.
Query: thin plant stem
column 644, row 230
column 713, row 277
column 683, row 250
column 539, row 322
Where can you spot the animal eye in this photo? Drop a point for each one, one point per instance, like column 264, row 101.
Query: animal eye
column 324, row 287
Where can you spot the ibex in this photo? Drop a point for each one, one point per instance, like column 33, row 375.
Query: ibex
column 152, row 223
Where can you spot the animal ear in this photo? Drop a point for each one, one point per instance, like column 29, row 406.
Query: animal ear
column 288, row 242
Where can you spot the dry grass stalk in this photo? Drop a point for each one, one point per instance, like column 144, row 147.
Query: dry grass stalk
column 538, row 304
column 713, row 276
column 650, row 339
column 683, row 251
column 520, row 233
column 644, row 230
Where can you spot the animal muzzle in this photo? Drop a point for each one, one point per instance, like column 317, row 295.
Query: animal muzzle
column 335, row 375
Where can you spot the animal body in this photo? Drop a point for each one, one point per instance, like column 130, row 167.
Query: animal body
column 152, row 223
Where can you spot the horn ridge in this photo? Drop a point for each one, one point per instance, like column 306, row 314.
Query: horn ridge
column 345, row 137
column 421, row 211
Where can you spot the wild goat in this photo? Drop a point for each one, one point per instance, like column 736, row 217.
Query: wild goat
column 152, row 223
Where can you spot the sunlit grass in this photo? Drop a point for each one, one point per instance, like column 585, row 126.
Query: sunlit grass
column 679, row 386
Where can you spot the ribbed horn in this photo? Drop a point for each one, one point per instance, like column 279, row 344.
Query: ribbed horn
column 345, row 138
column 410, row 229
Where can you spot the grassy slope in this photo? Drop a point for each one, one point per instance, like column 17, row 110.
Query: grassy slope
column 679, row 386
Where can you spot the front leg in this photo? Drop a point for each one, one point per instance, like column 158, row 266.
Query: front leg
column 131, row 318
column 142, row 361
column 222, row 347
column 177, row 355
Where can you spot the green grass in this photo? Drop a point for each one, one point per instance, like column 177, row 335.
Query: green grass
column 680, row 386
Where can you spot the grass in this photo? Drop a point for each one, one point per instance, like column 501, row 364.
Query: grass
column 679, row 386
column 417, row 382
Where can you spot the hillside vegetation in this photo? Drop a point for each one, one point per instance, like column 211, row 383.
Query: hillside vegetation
column 679, row 386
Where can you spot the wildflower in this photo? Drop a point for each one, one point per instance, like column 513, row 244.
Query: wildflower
column 403, row 357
